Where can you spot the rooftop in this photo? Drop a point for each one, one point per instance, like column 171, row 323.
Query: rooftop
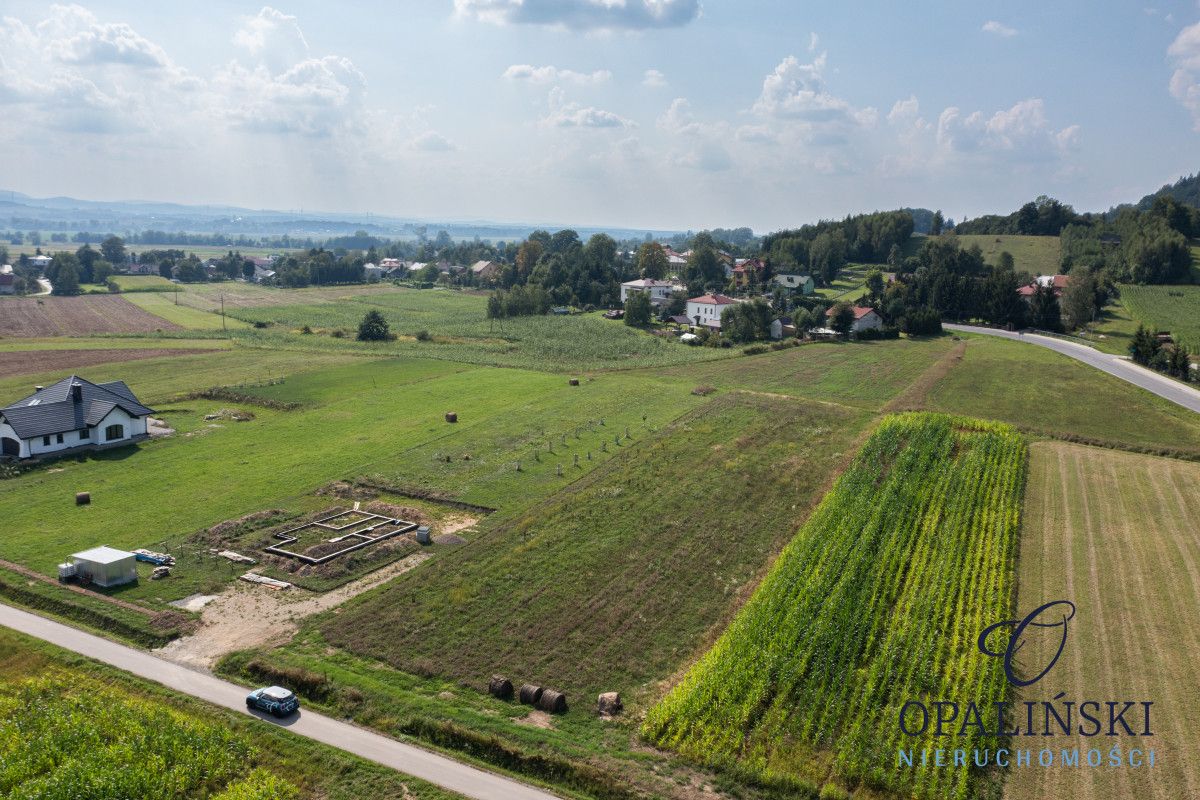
column 103, row 555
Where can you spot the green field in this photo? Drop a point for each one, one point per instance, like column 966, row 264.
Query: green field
column 1037, row 255
column 1043, row 391
column 185, row 316
column 142, row 283
column 1166, row 308
column 72, row 728
column 877, row 601
column 850, row 283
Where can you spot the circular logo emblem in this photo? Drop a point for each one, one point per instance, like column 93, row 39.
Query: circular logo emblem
column 1054, row 614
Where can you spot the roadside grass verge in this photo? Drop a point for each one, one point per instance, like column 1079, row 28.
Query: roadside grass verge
column 1043, row 391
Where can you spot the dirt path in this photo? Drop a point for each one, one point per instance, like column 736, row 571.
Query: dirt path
column 247, row 615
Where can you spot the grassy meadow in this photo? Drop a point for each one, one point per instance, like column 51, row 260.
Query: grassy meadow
column 1037, row 255
column 1166, row 308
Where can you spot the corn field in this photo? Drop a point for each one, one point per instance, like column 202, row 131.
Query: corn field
column 878, row 600
column 68, row 737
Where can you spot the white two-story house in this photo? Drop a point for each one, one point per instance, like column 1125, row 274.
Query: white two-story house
column 659, row 291
column 705, row 310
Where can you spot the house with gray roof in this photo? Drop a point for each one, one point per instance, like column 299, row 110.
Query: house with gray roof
column 72, row 414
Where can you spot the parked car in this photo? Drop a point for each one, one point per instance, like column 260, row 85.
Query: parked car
column 275, row 700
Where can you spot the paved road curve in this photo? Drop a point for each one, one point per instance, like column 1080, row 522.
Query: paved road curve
column 1122, row 368
column 423, row 764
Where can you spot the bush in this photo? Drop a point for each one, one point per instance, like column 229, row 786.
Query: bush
column 337, row 333
column 872, row 334
column 832, row 791
column 261, row 324
column 923, row 321
column 423, row 336
column 374, row 327
column 755, row 350
column 306, row 330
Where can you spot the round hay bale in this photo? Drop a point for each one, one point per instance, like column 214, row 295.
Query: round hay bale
column 500, row 686
column 608, row 704
column 83, row 498
column 529, row 694
column 573, row 382
column 451, row 416
column 552, row 702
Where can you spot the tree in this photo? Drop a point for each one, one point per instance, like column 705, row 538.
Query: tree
column 1144, row 347
column 1044, row 312
column 527, row 257
column 1005, row 261
column 102, row 271
column 842, row 318
column 248, row 269
column 875, row 284
column 935, row 227
column 113, row 249
column 703, row 268
column 87, row 262
column 1079, row 298
column 895, row 257
column 637, row 310
column 374, row 327
column 1002, row 305
column 191, row 270
column 1179, row 364
column 923, row 321
column 652, row 261
column 66, row 276
column 746, row 322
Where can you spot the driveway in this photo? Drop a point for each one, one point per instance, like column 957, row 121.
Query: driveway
column 1122, row 368
column 428, row 766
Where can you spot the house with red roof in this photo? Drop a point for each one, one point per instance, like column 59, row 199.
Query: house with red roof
column 1056, row 282
column 865, row 318
column 706, row 309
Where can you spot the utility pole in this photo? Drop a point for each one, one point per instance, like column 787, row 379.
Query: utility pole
column 223, row 327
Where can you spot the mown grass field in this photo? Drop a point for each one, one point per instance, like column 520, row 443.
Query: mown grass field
column 863, row 374
column 142, row 283
column 1043, row 391
column 1166, row 308
column 616, row 581
column 1037, row 255
column 185, row 316
column 1116, row 534
column 877, row 601
column 72, row 728
column 850, row 283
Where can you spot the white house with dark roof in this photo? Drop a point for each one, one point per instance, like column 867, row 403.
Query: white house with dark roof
column 70, row 415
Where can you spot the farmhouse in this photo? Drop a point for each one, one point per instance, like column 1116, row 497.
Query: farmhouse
column 706, row 309
column 486, row 270
column 70, row 415
column 803, row 283
column 659, row 291
column 864, row 318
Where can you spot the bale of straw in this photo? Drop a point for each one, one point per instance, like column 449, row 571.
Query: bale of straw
column 573, row 381
column 500, row 686
column 552, row 702
column 451, row 416
column 83, row 498
column 609, row 704
column 529, row 694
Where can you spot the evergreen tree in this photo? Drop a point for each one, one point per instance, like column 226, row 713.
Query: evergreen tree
column 374, row 328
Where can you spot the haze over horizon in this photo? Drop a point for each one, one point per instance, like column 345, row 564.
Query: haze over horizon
column 669, row 114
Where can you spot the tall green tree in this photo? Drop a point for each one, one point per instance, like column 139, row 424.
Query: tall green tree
column 652, row 261
column 935, row 227
column 374, row 327
column 1044, row 311
column 66, row 277
column 637, row 310
column 1079, row 305
column 842, row 318
column 113, row 249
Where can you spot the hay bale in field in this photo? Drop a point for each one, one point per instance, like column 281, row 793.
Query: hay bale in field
column 573, row 381
column 552, row 702
column 451, row 416
column 609, row 704
column 500, row 686
column 83, row 498
column 529, row 694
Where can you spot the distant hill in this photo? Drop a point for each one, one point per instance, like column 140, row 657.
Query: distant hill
column 1185, row 190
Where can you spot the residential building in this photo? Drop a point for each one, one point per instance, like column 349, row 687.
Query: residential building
column 659, row 291
column 864, row 318
column 1055, row 282
column 706, row 309
column 40, row 262
column 802, row 283
column 72, row 414
column 486, row 270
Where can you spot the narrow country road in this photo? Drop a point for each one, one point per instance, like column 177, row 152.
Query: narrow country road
column 428, row 766
column 1122, row 368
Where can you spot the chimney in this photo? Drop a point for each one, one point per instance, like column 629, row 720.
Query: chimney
column 77, row 392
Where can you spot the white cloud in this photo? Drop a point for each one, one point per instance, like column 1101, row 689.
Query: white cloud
column 582, row 15
column 798, row 91
column 1184, row 54
column 756, row 134
column 814, row 42
column 1020, row 132
column 314, row 97
column 654, row 79
column 705, row 156
column 273, row 37
column 573, row 115
column 998, row 29
column 678, row 118
column 431, row 142
column 551, row 74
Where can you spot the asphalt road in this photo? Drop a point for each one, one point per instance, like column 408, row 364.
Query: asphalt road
column 440, row 770
column 1122, row 368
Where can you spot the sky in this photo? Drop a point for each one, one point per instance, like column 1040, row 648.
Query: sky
column 664, row 114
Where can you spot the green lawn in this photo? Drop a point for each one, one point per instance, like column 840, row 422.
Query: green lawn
column 1041, row 390
column 1114, row 331
column 851, row 282
column 164, row 305
column 1037, row 255
column 142, row 283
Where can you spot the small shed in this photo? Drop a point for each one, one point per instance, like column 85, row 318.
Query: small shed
column 105, row 566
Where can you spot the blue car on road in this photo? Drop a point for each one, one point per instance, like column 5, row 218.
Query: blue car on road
column 274, row 700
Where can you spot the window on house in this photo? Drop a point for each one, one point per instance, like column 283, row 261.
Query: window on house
column 45, row 441
column 59, row 438
column 114, row 432
column 85, row 433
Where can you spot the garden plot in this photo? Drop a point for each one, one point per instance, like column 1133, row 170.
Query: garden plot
column 351, row 531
